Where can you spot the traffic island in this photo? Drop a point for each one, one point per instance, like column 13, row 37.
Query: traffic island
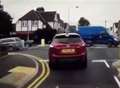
column 116, row 64
column 17, row 76
column 16, row 70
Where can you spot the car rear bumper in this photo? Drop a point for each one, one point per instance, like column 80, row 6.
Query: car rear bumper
column 68, row 58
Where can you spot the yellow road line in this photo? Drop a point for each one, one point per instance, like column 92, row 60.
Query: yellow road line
column 42, row 74
column 45, row 73
column 43, row 79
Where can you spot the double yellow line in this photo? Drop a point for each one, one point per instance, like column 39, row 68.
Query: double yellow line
column 44, row 74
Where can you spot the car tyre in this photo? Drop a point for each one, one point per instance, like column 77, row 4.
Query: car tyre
column 84, row 64
column 110, row 45
column 10, row 48
column 52, row 65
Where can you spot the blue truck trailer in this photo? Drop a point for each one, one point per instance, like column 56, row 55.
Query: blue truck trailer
column 97, row 35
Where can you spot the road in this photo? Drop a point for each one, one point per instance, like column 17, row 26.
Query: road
column 99, row 73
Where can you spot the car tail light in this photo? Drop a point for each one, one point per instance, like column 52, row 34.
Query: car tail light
column 51, row 46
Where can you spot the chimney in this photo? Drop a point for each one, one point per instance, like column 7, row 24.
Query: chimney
column 1, row 6
column 40, row 9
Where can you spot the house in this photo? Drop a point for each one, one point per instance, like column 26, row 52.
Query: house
column 52, row 18
column 38, row 19
column 116, row 28
column 27, row 24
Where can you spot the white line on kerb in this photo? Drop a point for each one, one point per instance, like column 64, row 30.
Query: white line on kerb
column 44, row 60
column 103, row 61
column 29, row 56
column 117, row 81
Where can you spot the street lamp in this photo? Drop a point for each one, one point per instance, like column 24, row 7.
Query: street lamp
column 69, row 12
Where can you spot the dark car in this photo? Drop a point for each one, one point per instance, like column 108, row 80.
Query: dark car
column 67, row 47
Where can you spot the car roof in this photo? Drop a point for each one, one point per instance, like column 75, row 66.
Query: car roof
column 67, row 34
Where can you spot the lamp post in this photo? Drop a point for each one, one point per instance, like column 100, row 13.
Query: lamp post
column 105, row 23
column 69, row 12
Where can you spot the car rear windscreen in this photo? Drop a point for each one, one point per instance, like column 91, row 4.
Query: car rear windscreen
column 68, row 39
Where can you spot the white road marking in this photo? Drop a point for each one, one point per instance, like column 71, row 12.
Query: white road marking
column 94, row 61
column 57, row 86
column 103, row 61
column 44, row 60
column 117, row 81
column 106, row 63
column 108, row 66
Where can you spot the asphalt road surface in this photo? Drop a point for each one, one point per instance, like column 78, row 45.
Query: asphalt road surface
column 99, row 73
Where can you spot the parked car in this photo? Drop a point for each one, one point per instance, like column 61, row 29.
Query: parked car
column 12, row 43
column 97, row 35
column 67, row 47
column 29, row 43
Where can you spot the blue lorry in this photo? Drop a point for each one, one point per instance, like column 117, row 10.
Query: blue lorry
column 97, row 35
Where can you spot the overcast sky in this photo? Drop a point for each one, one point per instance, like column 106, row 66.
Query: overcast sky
column 96, row 11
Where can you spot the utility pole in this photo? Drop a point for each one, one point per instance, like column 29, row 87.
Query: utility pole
column 69, row 12
column 105, row 23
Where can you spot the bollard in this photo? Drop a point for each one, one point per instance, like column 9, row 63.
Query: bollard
column 42, row 42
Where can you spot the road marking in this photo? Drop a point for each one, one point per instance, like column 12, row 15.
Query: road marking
column 15, row 79
column 18, row 75
column 30, row 57
column 42, row 74
column 117, row 81
column 98, row 47
column 103, row 61
column 44, row 60
column 22, row 69
column 106, row 63
column 43, row 79
column 57, row 86
column 108, row 66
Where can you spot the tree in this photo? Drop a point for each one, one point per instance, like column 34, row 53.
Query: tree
column 83, row 22
column 5, row 24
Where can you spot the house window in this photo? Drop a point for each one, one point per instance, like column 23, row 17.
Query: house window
column 24, row 23
column 35, row 23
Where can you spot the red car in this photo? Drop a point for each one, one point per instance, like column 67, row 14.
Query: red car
column 67, row 47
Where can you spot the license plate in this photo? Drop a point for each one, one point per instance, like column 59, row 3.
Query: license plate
column 68, row 51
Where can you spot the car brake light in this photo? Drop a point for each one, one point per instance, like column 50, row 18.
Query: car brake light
column 51, row 46
column 83, row 44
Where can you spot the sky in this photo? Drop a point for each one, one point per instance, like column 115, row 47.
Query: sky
column 98, row 12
